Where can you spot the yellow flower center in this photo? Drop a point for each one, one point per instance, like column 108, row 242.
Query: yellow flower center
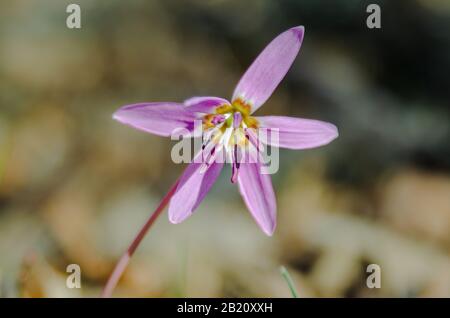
column 225, row 114
column 238, row 105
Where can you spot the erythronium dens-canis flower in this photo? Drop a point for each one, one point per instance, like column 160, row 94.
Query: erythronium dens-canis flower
column 229, row 130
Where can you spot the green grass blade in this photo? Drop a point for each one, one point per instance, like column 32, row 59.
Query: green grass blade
column 289, row 281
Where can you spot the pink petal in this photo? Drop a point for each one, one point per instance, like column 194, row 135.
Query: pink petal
column 297, row 133
column 204, row 104
column 192, row 189
column 269, row 68
column 157, row 118
column 257, row 192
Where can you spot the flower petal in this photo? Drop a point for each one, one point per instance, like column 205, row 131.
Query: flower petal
column 204, row 104
column 297, row 133
column 157, row 118
column 257, row 191
column 192, row 189
column 269, row 68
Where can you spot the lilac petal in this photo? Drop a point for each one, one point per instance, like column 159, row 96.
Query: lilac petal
column 192, row 189
column 257, row 192
column 297, row 133
column 204, row 104
column 269, row 68
column 157, row 118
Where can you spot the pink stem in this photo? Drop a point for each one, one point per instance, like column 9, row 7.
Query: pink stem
column 125, row 259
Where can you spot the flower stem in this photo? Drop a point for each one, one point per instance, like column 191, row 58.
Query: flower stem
column 125, row 259
column 289, row 281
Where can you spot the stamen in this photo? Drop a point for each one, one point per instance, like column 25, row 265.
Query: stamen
column 218, row 119
column 211, row 157
column 251, row 135
column 235, row 166
column 209, row 141
column 237, row 119
column 226, row 138
column 241, row 106
column 234, row 173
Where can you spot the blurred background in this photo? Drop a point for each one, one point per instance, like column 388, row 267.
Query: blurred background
column 75, row 186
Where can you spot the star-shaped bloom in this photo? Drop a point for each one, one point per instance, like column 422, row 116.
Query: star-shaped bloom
column 230, row 130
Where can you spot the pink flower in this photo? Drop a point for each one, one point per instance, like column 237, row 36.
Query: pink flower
column 222, row 120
